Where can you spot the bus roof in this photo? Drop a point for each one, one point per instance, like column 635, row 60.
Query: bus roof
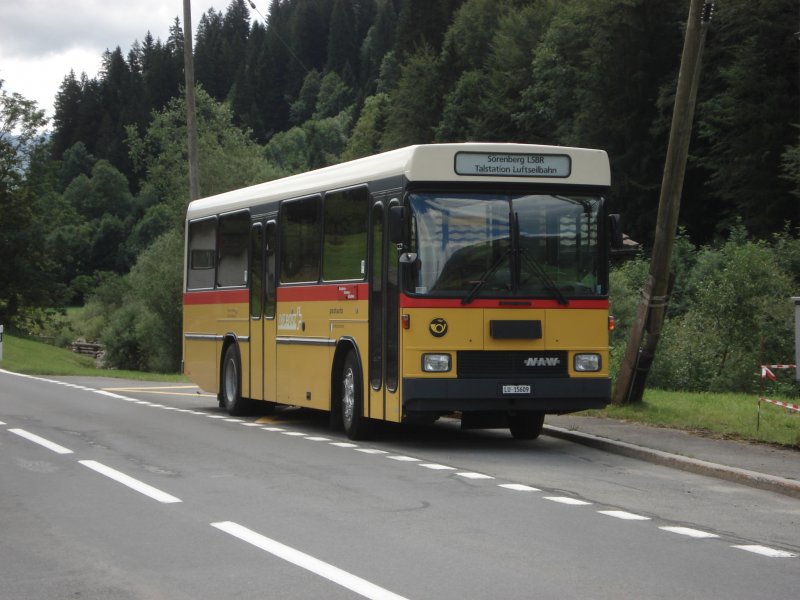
column 474, row 161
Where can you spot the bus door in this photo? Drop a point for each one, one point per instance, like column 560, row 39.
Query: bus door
column 262, row 311
column 384, row 398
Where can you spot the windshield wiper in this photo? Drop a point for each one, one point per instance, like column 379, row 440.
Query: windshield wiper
column 485, row 277
column 537, row 269
column 530, row 262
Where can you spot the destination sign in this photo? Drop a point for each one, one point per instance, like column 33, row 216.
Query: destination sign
column 513, row 165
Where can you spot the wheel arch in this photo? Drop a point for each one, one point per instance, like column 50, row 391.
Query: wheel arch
column 343, row 347
column 228, row 340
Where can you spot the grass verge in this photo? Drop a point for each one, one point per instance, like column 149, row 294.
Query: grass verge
column 722, row 415
column 22, row 355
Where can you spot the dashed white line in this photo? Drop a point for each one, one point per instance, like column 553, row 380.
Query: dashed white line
column 765, row 551
column 567, row 500
column 401, row 458
column 293, row 433
column 518, row 487
column 625, row 516
column 470, row 475
column 273, row 429
column 688, row 531
column 2, row 423
column 134, row 484
column 308, row 562
column 32, row 437
column 252, row 424
column 234, row 420
column 437, row 467
column 344, row 445
column 371, row 451
column 317, row 438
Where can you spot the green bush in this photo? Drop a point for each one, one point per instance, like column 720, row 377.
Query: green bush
column 730, row 313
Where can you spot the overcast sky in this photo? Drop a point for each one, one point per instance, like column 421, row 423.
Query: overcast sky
column 41, row 40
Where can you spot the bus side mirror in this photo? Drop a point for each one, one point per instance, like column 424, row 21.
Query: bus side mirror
column 615, row 231
column 397, row 224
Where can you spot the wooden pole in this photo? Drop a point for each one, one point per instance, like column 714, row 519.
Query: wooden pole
column 646, row 331
column 191, row 111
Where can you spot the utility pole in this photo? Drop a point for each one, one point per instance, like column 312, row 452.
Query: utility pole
column 641, row 349
column 191, row 111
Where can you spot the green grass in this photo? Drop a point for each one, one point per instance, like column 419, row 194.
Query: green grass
column 722, row 415
column 36, row 358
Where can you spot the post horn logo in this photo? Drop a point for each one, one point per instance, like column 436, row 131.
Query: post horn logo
column 438, row 327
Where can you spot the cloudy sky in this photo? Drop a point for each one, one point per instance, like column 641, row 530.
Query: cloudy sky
column 41, row 40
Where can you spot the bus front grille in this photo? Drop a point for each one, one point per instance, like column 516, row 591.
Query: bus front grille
column 517, row 364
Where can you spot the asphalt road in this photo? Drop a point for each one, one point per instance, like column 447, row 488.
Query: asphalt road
column 130, row 490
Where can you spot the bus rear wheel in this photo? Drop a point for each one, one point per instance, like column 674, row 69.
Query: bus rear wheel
column 526, row 425
column 356, row 425
column 231, row 384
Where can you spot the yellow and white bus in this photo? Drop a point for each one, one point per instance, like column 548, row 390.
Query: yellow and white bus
column 466, row 279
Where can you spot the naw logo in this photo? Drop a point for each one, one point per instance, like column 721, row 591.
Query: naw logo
column 542, row 361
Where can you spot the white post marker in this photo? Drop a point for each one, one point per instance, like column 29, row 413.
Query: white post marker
column 1, row 342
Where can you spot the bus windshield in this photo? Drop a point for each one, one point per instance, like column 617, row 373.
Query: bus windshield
column 505, row 245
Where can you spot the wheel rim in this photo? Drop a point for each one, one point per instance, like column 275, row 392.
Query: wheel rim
column 231, row 381
column 348, row 396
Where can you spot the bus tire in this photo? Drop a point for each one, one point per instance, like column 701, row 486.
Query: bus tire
column 351, row 395
column 525, row 425
column 231, row 383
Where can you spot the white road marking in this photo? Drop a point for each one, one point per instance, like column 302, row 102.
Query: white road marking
column 109, row 394
column 401, row 458
column 343, row 578
column 764, row 551
column 134, row 484
column 688, row 531
column 215, row 416
column 252, row 424
column 567, row 500
column 316, row 438
column 518, row 487
column 234, row 420
column 470, row 475
column 273, row 429
column 293, row 433
column 437, row 467
column 371, row 451
column 344, row 445
column 2, row 423
column 625, row 516
column 32, row 437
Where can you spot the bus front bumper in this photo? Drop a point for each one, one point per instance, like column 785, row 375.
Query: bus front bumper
column 552, row 395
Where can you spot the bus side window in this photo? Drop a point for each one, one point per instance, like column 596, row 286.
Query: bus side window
column 344, row 248
column 232, row 242
column 300, row 240
column 202, row 252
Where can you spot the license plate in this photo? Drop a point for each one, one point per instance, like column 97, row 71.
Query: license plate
column 516, row 389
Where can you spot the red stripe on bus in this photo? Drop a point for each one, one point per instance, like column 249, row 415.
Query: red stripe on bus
column 409, row 302
column 327, row 291
column 217, row 297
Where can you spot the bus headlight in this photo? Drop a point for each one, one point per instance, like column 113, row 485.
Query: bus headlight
column 435, row 363
column 586, row 362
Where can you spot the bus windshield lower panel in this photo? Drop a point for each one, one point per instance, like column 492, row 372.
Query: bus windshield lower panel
column 506, row 245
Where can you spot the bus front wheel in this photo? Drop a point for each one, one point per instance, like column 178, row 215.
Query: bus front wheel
column 231, row 386
column 526, row 425
column 356, row 425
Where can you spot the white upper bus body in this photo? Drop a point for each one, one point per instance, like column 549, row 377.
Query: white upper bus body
column 454, row 163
